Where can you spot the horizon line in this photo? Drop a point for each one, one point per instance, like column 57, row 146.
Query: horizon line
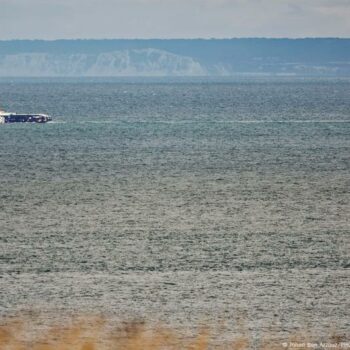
column 193, row 38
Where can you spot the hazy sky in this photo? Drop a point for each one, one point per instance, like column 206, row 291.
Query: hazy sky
column 53, row 19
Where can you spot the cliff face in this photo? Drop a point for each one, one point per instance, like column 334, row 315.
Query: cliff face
column 143, row 62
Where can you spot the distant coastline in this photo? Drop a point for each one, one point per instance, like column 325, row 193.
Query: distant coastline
column 175, row 57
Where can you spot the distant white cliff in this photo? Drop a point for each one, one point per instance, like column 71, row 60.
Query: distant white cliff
column 142, row 62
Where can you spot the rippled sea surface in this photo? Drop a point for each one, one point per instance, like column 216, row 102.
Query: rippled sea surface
column 179, row 202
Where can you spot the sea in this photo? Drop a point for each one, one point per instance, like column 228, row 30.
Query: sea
column 179, row 201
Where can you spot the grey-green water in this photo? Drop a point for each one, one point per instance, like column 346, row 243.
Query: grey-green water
column 181, row 202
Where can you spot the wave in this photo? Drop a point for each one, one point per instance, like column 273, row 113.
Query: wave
column 211, row 121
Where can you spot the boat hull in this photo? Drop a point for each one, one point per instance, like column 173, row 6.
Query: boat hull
column 25, row 118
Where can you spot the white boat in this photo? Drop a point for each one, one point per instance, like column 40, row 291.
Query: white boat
column 8, row 117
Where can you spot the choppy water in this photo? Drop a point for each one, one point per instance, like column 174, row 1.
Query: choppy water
column 179, row 202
